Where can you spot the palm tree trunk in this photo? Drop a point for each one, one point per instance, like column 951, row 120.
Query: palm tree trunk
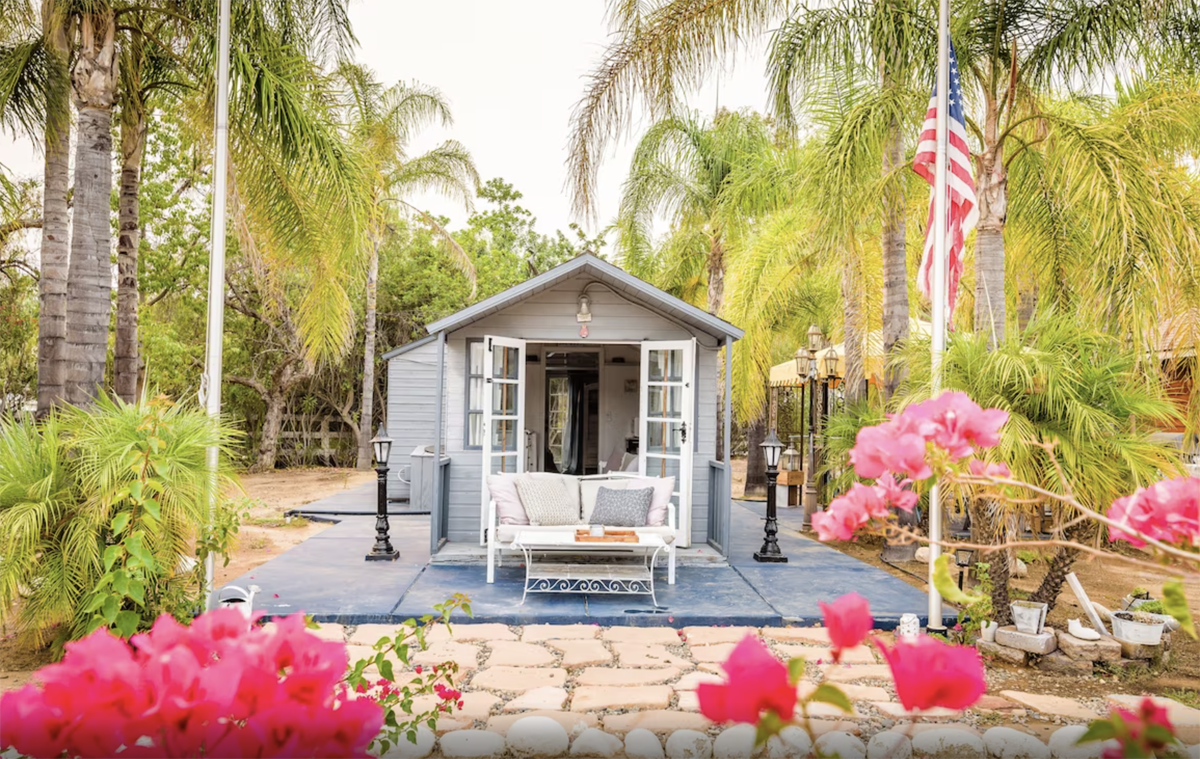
column 989, row 240
column 988, row 527
column 89, row 286
column 716, row 275
column 756, row 463
column 852, row 329
column 56, row 228
column 367, row 410
column 125, row 354
column 895, row 260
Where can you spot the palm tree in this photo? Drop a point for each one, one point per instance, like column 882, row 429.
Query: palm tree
column 1064, row 385
column 1011, row 57
column 34, row 100
column 382, row 122
column 681, row 170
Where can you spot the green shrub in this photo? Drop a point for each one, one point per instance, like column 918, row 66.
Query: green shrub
column 99, row 508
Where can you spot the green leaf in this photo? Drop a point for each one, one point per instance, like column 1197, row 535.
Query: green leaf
column 946, row 585
column 153, row 508
column 120, row 582
column 769, row 724
column 135, row 490
column 1099, row 730
column 120, row 521
column 831, row 694
column 111, row 554
column 795, row 669
column 1175, row 604
column 137, row 548
column 137, row 591
column 127, row 623
column 385, row 669
column 110, row 609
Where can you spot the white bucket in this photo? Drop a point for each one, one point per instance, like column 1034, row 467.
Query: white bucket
column 1137, row 632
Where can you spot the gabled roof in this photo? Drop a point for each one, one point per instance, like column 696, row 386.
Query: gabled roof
column 620, row 280
column 408, row 346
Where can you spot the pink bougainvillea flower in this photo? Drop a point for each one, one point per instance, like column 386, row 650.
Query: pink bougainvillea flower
column 756, row 682
column 1168, row 511
column 928, row 673
column 888, row 447
column 847, row 620
column 1146, row 732
column 955, row 423
column 446, row 694
column 985, row 469
column 220, row 687
column 839, row 521
column 895, row 493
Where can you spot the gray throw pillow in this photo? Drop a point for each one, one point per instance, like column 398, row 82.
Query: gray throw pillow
column 622, row 508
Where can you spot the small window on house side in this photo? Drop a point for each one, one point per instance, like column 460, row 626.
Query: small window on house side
column 474, row 429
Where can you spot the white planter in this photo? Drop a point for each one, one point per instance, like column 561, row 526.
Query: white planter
column 1029, row 617
column 988, row 630
column 1137, row 632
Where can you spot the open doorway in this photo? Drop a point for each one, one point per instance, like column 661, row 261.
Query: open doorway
column 572, row 428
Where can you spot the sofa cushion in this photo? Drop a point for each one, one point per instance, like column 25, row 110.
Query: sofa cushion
column 626, row 507
column 569, row 482
column 589, row 488
column 503, row 490
column 663, row 487
column 547, row 502
column 507, row 533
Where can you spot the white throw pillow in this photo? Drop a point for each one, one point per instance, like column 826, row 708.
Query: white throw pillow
column 503, row 490
column 570, row 485
column 546, row 502
column 663, row 487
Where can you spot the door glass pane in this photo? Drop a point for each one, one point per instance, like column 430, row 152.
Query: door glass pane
column 657, row 466
column 475, row 401
column 476, row 358
column 665, row 401
column 504, row 435
column 505, row 463
column 663, row 437
column 505, row 362
column 476, row 421
column 504, row 399
column 666, row 366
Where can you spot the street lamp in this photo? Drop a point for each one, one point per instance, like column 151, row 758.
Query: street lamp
column 809, row 495
column 770, row 552
column 382, row 551
column 963, row 557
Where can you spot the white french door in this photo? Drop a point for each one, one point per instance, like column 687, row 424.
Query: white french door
column 666, row 421
column 504, row 412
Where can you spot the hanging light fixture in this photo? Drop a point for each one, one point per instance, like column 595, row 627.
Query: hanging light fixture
column 831, row 362
column 584, row 314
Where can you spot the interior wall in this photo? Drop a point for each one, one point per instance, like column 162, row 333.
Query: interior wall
column 618, row 406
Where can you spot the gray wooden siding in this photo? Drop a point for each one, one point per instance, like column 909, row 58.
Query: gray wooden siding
column 411, row 409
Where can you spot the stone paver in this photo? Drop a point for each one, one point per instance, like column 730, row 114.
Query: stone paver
column 819, row 709
column 486, row 631
column 638, row 655
column 330, row 631
column 1055, row 706
column 471, row 744
column 539, row 698
column 581, row 653
column 574, row 723
column 707, row 636
column 715, row 653
column 618, row 676
column 853, row 692
column 988, row 702
column 535, row 633
column 688, row 701
column 856, row 655
column 841, row 673
column 519, row 679
column 512, row 654
column 913, row 729
column 656, row 721
column 588, row 698
column 465, row 655
column 658, row 636
column 897, row 711
column 367, row 635
column 822, row 726
column 814, row 635
column 693, row 679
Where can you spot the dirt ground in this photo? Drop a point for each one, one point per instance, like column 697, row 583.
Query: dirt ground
column 264, row 534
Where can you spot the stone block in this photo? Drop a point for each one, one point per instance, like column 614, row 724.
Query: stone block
column 406, row 749
column 736, row 742
column 948, row 743
column 713, row 654
column 620, row 676
column 656, row 721
column 1042, row 643
column 1055, row 706
column 814, row 635
column 539, row 698
column 660, row 636
column 573, row 722
column 689, row 744
column 1000, row 653
column 594, row 742
column 791, row 743
column 537, row 633
column 471, row 744
column 1007, row 743
column 707, row 636
column 587, row 698
column 513, row 654
column 889, row 745
column 519, row 679
column 1139, row 650
column 1060, row 662
column 840, row 744
column 640, row 655
column 581, row 653
column 1063, row 744
column 643, row 744
column 1105, row 649
column 537, row 736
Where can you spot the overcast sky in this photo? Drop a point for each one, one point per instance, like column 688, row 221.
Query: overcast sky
column 512, row 70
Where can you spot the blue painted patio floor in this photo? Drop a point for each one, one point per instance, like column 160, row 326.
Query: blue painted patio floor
column 327, row 577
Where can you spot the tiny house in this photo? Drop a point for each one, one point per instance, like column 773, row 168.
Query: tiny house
column 584, row 369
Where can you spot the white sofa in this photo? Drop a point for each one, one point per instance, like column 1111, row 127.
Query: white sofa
column 500, row 536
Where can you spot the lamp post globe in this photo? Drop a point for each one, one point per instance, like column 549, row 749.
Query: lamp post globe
column 831, row 364
column 382, row 550
column 770, row 552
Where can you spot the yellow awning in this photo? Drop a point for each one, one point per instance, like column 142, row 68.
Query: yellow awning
column 785, row 375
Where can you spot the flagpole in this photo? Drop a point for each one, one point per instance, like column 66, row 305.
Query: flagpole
column 938, row 284
column 210, row 387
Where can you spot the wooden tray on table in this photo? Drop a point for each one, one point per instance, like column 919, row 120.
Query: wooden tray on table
column 609, row 536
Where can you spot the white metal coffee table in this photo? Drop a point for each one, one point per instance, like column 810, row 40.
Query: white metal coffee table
column 547, row 572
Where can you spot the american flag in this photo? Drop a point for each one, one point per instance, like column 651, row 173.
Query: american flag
column 961, row 211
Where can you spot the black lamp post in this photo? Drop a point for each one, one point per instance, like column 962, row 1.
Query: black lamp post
column 382, row 550
column 806, row 367
column 963, row 557
column 770, row 552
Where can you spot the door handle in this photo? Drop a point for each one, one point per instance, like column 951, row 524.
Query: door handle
column 683, row 432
